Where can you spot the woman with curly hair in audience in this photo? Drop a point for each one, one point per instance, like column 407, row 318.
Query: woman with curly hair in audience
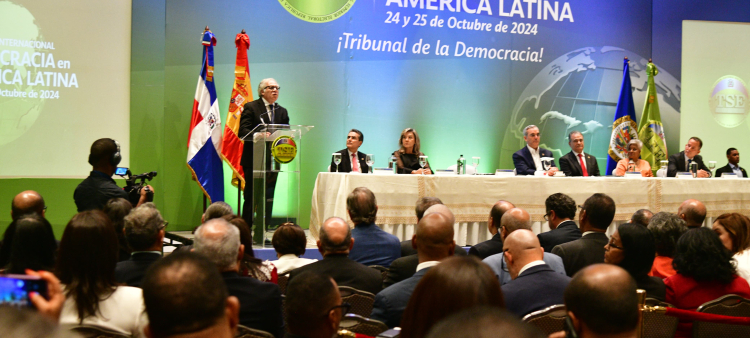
column 734, row 231
column 632, row 248
column 86, row 268
column 666, row 228
column 705, row 271
column 457, row 283
column 250, row 266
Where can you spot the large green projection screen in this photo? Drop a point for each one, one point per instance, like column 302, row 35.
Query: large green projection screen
column 715, row 74
column 64, row 82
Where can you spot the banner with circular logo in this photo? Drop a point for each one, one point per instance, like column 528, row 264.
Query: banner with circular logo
column 625, row 131
column 728, row 101
column 317, row 11
column 284, row 149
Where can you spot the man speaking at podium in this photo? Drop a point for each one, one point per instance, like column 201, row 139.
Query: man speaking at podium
column 264, row 110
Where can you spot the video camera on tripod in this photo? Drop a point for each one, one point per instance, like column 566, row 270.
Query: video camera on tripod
column 133, row 188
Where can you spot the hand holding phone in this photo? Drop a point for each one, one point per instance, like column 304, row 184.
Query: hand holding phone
column 51, row 306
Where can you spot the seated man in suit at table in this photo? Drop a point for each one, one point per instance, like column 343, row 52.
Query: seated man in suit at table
column 681, row 161
column 561, row 209
column 733, row 157
column 528, row 159
column 576, row 162
column 373, row 246
column 352, row 160
column 493, row 245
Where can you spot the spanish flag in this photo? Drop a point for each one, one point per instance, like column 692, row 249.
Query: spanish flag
column 231, row 148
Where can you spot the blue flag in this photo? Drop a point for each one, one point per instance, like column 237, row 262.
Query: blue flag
column 624, row 127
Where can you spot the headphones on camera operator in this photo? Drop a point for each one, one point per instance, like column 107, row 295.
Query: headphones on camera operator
column 114, row 159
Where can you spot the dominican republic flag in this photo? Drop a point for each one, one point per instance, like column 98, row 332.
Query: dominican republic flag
column 624, row 127
column 204, row 141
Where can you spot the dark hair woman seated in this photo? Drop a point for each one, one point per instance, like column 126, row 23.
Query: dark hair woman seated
column 33, row 245
column 734, row 232
column 289, row 241
column 632, row 248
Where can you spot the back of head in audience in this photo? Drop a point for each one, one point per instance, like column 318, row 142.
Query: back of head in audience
column 335, row 237
column 642, row 217
column 434, row 238
column 521, row 247
column 185, row 294
column 701, row 255
column 27, row 202
column 563, row 205
column 496, row 214
column 693, row 212
column 601, row 299
column 733, row 230
column 219, row 241
column 441, row 209
column 24, row 323
column 513, row 220
column 116, row 209
column 424, row 203
column 666, row 228
column 483, row 322
column 313, row 305
column 144, row 229
column 33, row 245
column 458, row 283
column 289, row 239
column 86, row 260
column 216, row 210
column 362, row 206
column 598, row 213
column 638, row 250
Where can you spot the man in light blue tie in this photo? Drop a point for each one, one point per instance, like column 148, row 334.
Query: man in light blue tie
column 733, row 157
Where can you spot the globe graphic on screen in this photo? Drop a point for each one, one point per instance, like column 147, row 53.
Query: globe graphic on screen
column 579, row 91
column 17, row 114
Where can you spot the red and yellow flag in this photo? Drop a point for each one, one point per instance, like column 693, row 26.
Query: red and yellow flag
column 231, row 148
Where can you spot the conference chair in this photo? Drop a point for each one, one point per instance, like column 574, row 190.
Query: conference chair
column 549, row 320
column 283, row 281
column 246, row 332
column 90, row 331
column 383, row 271
column 658, row 325
column 358, row 324
column 361, row 301
column 729, row 305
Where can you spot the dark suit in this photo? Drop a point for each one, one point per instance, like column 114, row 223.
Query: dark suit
column 487, row 248
column 131, row 271
column 252, row 113
column 390, row 303
column 401, row 269
column 566, row 231
column 408, row 250
column 345, row 272
column 583, row 252
column 346, row 162
column 535, row 289
column 260, row 302
column 677, row 164
column 571, row 166
column 728, row 169
column 525, row 163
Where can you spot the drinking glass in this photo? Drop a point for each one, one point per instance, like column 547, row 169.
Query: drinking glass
column 370, row 160
column 475, row 161
column 711, row 165
column 337, row 160
column 422, row 162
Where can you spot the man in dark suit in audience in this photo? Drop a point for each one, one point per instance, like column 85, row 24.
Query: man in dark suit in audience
column 144, row 231
column 535, row 286
column 680, row 162
column 334, row 244
column 495, row 244
column 561, row 209
column 595, row 217
column 373, row 246
column 260, row 302
column 528, row 160
column 353, row 142
column 693, row 212
column 571, row 163
column 313, row 306
column 733, row 167
column 434, row 242
column 642, row 217
column 422, row 205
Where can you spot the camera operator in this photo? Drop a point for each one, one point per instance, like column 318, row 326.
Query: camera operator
column 99, row 187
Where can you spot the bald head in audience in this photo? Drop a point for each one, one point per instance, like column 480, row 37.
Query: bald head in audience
column 642, row 217
column 434, row 238
column 521, row 247
column 335, row 237
column 693, row 212
column 496, row 214
column 27, row 202
column 441, row 209
column 601, row 301
column 513, row 220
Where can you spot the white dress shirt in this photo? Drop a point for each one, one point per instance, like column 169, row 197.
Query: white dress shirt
column 530, row 265
column 290, row 262
column 736, row 170
column 536, row 157
column 427, row 264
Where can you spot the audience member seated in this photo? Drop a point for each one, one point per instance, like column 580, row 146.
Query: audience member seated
column 334, row 244
column 313, row 307
column 24, row 323
column 260, row 303
column 144, row 230
column 495, row 244
column 601, row 301
column 535, row 286
column 634, row 162
column 26, row 202
column 33, row 245
column 641, row 217
column 560, row 212
column 632, row 248
column 263, row 271
column 705, row 271
column 407, row 156
column 456, row 284
column 666, row 228
column 116, row 209
column 216, row 210
column 372, row 245
column 734, row 231
column 693, row 212
column 595, row 217
column 483, row 322
column 289, row 241
column 86, row 267
column 185, row 297
column 434, row 242
column 517, row 219
column 422, row 205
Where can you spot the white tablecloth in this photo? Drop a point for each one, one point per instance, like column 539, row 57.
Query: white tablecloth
column 471, row 197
